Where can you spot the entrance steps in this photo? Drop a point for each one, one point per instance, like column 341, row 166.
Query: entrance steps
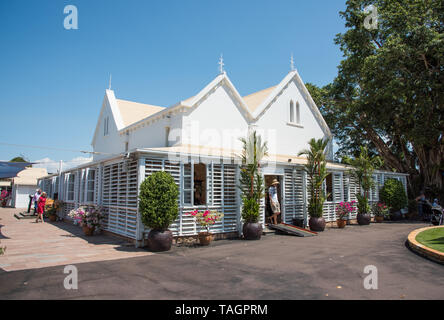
column 25, row 215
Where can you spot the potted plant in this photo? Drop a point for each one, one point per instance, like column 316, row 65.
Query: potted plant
column 380, row 211
column 206, row 219
column 88, row 217
column 51, row 213
column 251, row 184
column 316, row 169
column 394, row 196
column 363, row 168
column 343, row 210
column 159, row 208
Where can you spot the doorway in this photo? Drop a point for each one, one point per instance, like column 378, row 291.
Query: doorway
column 268, row 212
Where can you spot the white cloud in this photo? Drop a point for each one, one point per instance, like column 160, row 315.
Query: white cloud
column 52, row 166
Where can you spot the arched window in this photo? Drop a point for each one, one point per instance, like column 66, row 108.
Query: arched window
column 291, row 112
column 298, row 114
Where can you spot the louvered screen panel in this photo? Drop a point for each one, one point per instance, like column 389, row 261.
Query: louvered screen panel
column 119, row 197
column 217, row 185
column 229, row 221
column 174, row 170
column 337, row 187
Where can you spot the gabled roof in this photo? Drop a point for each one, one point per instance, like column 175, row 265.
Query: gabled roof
column 253, row 100
column 277, row 90
column 131, row 112
column 29, row 176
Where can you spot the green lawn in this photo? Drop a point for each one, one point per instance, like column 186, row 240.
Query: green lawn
column 433, row 238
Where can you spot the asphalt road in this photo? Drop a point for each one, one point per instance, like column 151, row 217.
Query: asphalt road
column 329, row 266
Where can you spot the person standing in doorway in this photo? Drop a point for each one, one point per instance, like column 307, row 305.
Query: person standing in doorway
column 274, row 201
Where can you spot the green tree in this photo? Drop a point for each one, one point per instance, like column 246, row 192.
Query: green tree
column 389, row 90
column 18, row 159
column 316, row 168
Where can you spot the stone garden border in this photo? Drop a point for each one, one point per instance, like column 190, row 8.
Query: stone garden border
column 421, row 249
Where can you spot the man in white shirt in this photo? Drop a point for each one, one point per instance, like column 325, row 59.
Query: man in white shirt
column 274, row 201
column 35, row 199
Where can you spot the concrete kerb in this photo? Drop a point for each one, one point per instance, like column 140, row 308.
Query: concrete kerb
column 423, row 250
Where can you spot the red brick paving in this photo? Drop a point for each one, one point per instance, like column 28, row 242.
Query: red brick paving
column 31, row 245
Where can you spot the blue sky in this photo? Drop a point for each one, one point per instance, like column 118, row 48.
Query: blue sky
column 52, row 80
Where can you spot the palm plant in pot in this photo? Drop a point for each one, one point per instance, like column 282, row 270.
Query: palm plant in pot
column 159, row 208
column 251, row 184
column 363, row 169
column 316, row 169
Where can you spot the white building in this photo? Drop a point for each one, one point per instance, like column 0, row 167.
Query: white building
column 25, row 184
column 197, row 141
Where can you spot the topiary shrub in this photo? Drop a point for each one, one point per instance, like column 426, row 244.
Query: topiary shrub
column 393, row 195
column 250, row 210
column 158, row 201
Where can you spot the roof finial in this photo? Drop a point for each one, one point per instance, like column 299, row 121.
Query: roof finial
column 221, row 64
column 292, row 63
column 110, row 78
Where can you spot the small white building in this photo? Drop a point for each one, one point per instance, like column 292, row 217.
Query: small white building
column 197, row 141
column 25, row 184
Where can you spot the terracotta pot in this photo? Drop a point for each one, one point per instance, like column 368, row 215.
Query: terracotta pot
column 160, row 240
column 252, row 231
column 379, row 219
column 88, row 231
column 317, row 224
column 341, row 223
column 52, row 217
column 205, row 238
column 363, row 219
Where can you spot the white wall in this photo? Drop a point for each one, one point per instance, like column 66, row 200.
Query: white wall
column 216, row 122
column 284, row 138
column 21, row 194
column 112, row 143
column 154, row 134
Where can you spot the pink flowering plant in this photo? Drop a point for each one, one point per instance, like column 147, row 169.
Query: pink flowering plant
column 343, row 209
column 206, row 218
column 380, row 209
column 89, row 216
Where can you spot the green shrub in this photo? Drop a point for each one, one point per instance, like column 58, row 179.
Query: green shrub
column 393, row 195
column 158, row 201
column 250, row 210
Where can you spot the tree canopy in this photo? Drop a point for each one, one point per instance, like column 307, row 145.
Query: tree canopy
column 388, row 94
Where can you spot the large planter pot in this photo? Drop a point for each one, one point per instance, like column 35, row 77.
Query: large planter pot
column 205, row 238
column 317, row 224
column 341, row 223
column 160, row 240
column 252, row 231
column 379, row 219
column 395, row 216
column 88, row 231
column 52, row 218
column 364, row 219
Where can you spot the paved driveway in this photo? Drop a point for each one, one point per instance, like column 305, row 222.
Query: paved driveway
column 329, row 266
column 33, row 245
